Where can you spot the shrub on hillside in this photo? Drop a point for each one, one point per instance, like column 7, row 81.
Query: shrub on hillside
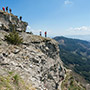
column 14, row 38
column 16, row 79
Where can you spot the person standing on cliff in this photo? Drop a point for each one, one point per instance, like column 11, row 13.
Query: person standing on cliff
column 45, row 34
column 7, row 9
column 21, row 18
column 3, row 9
column 40, row 33
column 10, row 10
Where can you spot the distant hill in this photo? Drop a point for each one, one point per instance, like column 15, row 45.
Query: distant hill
column 76, row 55
column 81, row 37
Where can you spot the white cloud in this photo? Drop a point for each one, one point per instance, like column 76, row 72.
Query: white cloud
column 83, row 30
column 36, row 31
column 66, row 2
column 28, row 29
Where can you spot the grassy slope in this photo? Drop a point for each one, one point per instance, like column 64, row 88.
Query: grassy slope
column 70, row 83
column 14, row 82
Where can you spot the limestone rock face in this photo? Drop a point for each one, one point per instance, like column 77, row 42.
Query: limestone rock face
column 8, row 20
column 36, row 60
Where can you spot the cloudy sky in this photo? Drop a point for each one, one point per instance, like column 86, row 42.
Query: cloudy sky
column 57, row 17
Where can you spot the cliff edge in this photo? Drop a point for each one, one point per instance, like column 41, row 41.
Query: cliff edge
column 35, row 64
column 37, row 60
column 7, row 20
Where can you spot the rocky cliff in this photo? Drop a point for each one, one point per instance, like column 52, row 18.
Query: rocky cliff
column 36, row 60
column 7, row 21
column 33, row 65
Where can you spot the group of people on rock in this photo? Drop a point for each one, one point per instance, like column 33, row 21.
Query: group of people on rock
column 6, row 9
column 10, row 10
column 44, row 33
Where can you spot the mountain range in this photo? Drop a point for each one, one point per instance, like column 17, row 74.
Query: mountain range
column 75, row 55
column 81, row 37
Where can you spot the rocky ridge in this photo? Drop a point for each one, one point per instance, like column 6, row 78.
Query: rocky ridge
column 37, row 60
column 8, row 20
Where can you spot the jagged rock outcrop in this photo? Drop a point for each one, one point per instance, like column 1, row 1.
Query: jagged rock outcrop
column 7, row 21
column 36, row 60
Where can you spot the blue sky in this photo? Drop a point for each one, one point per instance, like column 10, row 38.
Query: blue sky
column 57, row 17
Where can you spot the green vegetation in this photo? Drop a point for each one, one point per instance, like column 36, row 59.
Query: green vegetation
column 14, row 82
column 76, row 55
column 14, row 38
column 16, row 79
column 11, row 73
column 71, row 83
column 5, row 83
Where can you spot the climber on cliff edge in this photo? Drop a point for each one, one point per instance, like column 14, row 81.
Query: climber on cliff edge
column 21, row 18
column 7, row 9
column 40, row 33
column 45, row 34
column 10, row 10
column 3, row 8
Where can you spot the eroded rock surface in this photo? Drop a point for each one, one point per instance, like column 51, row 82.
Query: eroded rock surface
column 8, row 21
column 36, row 60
